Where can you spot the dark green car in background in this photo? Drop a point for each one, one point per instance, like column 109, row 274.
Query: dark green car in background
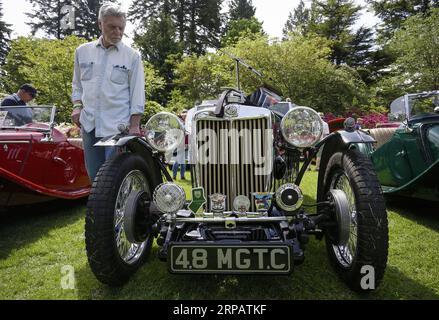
column 406, row 156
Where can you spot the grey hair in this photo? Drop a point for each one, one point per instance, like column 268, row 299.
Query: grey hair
column 111, row 9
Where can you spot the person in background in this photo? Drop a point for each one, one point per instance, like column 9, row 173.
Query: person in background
column 24, row 95
column 325, row 133
column 108, row 87
column 359, row 124
column 180, row 160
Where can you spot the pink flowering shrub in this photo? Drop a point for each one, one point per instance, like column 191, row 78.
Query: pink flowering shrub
column 370, row 120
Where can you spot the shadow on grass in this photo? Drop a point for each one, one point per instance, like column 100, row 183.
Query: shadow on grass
column 422, row 212
column 20, row 226
column 315, row 279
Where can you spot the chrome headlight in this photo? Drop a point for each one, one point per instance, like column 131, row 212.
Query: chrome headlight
column 164, row 132
column 302, row 127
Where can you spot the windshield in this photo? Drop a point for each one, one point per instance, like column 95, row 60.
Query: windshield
column 433, row 138
column 264, row 98
column 412, row 105
column 26, row 116
column 398, row 111
column 422, row 105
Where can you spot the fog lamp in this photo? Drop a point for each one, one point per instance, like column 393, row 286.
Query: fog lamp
column 289, row 197
column 169, row 198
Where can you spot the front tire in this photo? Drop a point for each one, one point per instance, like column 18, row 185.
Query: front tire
column 112, row 258
column 365, row 253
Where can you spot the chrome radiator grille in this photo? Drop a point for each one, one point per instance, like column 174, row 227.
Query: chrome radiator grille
column 226, row 162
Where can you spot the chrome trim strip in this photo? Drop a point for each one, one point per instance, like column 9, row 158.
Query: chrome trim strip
column 230, row 219
column 15, row 142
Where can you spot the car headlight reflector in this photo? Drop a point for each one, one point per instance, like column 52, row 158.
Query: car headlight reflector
column 164, row 132
column 302, row 127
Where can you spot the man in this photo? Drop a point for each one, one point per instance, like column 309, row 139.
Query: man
column 359, row 124
column 20, row 116
column 108, row 87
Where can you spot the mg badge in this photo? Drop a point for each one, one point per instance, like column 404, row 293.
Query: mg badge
column 263, row 201
column 218, row 203
column 5, row 147
column 231, row 111
column 241, row 204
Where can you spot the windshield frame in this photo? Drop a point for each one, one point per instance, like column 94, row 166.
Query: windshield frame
column 51, row 122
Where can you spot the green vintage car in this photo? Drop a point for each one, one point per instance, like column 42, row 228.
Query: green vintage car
column 406, row 155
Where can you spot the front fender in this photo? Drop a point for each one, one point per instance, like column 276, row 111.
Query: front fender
column 137, row 145
column 357, row 136
column 118, row 140
column 341, row 141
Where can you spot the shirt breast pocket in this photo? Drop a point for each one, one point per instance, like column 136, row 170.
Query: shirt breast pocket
column 86, row 71
column 119, row 75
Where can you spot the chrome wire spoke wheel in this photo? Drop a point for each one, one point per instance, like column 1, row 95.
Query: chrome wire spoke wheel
column 360, row 236
column 345, row 254
column 129, row 252
column 118, row 239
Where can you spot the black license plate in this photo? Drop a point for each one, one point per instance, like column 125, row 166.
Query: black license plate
column 230, row 259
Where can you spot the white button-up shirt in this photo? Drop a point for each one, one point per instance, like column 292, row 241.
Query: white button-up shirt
column 111, row 85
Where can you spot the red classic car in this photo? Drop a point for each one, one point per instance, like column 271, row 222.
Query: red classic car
column 37, row 161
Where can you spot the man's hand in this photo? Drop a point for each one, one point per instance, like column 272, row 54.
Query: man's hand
column 135, row 125
column 135, row 131
column 75, row 116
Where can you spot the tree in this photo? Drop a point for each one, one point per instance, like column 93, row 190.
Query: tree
column 299, row 68
column 198, row 22
column 179, row 13
column 299, row 21
column 141, row 11
column 154, row 83
column 159, row 46
column 157, row 42
column 337, row 18
column 48, row 16
column 179, row 102
column 394, row 13
column 241, row 23
column 86, row 18
column 334, row 20
column 241, row 9
column 5, row 33
column 17, row 61
column 200, row 77
column 204, row 25
column 416, row 47
column 47, row 64
column 243, row 28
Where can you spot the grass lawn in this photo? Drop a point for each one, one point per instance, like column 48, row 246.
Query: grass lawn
column 37, row 242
